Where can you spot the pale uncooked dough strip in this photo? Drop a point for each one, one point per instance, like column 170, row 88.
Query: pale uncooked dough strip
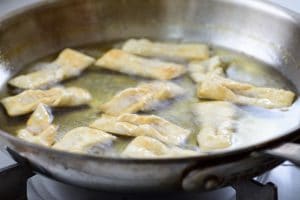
column 217, row 87
column 216, row 120
column 39, row 129
column 121, row 61
column 148, row 147
column 141, row 98
column 143, row 125
column 80, row 139
column 199, row 69
column 70, row 63
column 28, row 100
column 188, row 51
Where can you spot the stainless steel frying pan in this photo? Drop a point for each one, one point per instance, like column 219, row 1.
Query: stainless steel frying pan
column 257, row 28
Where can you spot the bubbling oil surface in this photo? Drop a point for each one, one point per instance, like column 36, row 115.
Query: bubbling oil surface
column 255, row 124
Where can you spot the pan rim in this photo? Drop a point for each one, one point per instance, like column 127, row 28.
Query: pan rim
column 288, row 137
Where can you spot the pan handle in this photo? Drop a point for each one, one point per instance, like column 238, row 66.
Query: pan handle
column 210, row 177
column 216, row 176
column 287, row 151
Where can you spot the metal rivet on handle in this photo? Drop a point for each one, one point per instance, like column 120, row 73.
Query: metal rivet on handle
column 212, row 182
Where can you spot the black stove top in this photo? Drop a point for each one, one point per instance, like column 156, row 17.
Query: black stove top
column 41, row 188
column 283, row 182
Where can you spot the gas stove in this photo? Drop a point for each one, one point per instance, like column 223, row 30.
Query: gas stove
column 283, row 182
